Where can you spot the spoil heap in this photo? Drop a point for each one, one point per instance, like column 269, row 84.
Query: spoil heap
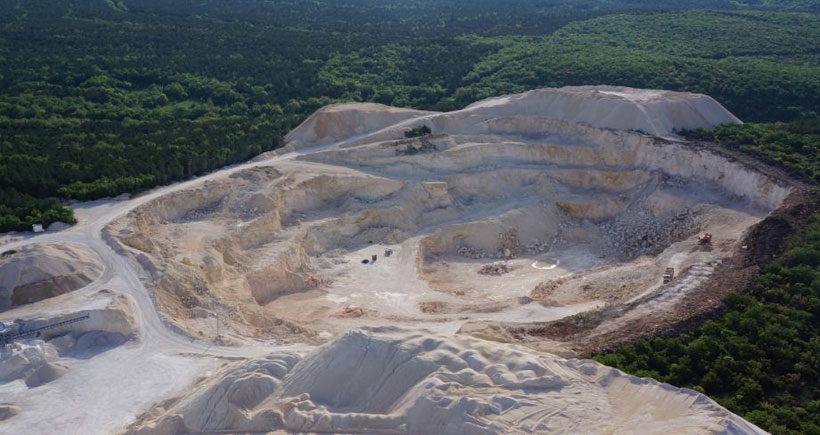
column 39, row 272
column 389, row 380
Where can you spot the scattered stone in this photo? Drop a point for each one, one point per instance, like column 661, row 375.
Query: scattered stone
column 199, row 214
column 351, row 311
column 539, row 246
column 495, row 269
column 638, row 232
column 432, row 307
column 409, row 147
column 524, row 300
column 544, row 290
column 471, row 253
column 510, row 246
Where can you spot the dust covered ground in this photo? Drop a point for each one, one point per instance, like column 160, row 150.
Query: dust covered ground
column 527, row 208
column 358, row 280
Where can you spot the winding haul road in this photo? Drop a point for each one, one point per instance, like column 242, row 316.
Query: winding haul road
column 103, row 393
column 120, row 273
column 95, row 216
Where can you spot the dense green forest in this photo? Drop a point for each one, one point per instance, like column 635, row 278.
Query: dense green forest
column 761, row 359
column 794, row 146
column 101, row 97
column 761, row 66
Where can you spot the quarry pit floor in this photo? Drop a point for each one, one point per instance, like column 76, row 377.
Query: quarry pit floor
column 284, row 250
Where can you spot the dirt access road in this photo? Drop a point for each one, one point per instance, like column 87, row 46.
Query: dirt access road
column 91, row 397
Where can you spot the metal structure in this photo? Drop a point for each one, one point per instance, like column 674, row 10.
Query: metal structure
column 9, row 332
column 668, row 275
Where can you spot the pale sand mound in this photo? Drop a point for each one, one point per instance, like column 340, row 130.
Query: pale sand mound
column 654, row 112
column 392, row 380
column 38, row 272
column 45, row 374
column 542, row 112
column 338, row 122
column 19, row 359
column 8, row 411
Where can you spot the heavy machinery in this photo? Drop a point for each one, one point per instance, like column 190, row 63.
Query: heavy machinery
column 16, row 330
column 668, row 275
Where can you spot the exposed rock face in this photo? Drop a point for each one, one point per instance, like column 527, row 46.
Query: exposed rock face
column 563, row 174
column 39, row 272
column 339, row 121
column 384, row 380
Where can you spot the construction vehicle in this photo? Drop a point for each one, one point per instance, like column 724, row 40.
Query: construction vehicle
column 16, row 330
column 668, row 275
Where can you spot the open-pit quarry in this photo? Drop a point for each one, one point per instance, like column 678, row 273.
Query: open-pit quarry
column 445, row 276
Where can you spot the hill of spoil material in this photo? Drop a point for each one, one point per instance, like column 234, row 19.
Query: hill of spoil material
column 524, row 208
column 39, row 272
column 389, row 380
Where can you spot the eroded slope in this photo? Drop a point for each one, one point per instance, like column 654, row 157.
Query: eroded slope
column 521, row 181
column 389, row 380
column 39, row 272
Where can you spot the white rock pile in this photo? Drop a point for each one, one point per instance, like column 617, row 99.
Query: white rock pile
column 390, row 380
column 638, row 232
column 495, row 269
